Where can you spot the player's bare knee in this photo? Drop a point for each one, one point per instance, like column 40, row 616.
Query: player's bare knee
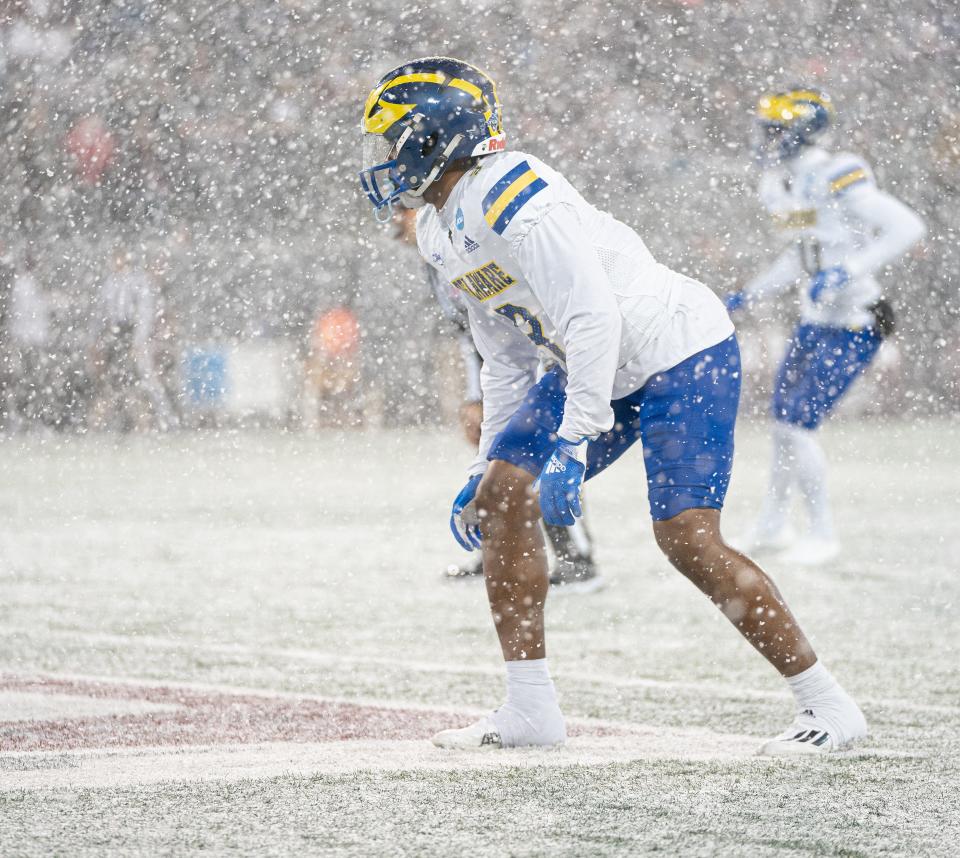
column 504, row 495
column 693, row 527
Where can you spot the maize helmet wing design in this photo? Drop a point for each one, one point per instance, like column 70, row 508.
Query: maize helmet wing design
column 789, row 120
column 420, row 118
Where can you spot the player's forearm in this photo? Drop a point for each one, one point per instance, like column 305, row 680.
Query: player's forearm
column 780, row 275
column 503, row 389
column 592, row 359
column 897, row 228
column 472, row 389
column 565, row 273
column 508, row 371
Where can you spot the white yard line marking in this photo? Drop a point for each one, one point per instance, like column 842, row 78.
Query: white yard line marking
column 53, row 770
column 338, row 659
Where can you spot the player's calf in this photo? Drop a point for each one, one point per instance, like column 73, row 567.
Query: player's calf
column 514, row 559
column 691, row 541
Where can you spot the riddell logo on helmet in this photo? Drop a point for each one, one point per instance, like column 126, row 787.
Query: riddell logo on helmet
column 492, row 144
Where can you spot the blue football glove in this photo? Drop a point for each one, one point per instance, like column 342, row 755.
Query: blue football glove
column 466, row 527
column 560, row 482
column 828, row 280
column 733, row 301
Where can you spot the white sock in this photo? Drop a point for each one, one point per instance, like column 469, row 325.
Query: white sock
column 531, row 714
column 776, row 504
column 813, row 685
column 817, row 692
column 811, row 475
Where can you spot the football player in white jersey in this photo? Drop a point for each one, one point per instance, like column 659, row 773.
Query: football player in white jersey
column 588, row 346
column 840, row 230
column 574, row 569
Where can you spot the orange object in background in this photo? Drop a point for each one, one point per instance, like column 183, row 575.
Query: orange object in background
column 332, row 392
column 336, row 333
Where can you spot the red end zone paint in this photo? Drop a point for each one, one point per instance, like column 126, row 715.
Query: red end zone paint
column 205, row 718
column 212, row 718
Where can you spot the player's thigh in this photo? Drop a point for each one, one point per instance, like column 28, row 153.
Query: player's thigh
column 796, row 381
column 687, row 419
column 839, row 358
column 530, row 435
column 610, row 446
column 851, row 353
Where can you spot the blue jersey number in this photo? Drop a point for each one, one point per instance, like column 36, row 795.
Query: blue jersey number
column 521, row 316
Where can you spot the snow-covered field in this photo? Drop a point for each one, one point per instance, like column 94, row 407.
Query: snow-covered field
column 241, row 641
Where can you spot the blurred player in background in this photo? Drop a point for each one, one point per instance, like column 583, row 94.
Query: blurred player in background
column 632, row 351
column 30, row 335
column 124, row 339
column 841, row 231
column 574, row 570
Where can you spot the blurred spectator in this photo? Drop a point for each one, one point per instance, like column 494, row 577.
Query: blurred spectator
column 234, row 126
column 91, row 145
column 30, row 333
column 332, row 389
column 124, row 360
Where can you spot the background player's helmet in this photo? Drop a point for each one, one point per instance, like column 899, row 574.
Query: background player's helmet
column 789, row 120
column 420, row 118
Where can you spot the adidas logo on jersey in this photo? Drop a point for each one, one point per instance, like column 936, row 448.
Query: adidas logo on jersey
column 469, row 244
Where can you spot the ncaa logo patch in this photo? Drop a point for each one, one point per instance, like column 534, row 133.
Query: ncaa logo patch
column 459, row 218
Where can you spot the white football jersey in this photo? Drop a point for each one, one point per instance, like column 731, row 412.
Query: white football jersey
column 549, row 279
column 829, row 208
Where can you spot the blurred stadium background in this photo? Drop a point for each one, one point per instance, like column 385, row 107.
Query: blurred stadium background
column 195, row 164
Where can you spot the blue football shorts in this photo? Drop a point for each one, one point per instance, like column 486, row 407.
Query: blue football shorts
column 684, row 416
column 820, row 365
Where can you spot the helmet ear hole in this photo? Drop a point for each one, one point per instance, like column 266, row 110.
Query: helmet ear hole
column 429, row 144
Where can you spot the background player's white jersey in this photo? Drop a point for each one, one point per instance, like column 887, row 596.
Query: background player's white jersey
column 829, row 207
column 550, row 279
column 454, row 308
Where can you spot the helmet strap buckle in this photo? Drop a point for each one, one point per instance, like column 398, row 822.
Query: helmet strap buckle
column 438, row 166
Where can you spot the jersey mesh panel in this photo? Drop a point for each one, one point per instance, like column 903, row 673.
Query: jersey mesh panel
column 618, row 268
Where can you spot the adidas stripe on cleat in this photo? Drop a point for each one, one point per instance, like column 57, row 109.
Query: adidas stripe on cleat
column 808, row 734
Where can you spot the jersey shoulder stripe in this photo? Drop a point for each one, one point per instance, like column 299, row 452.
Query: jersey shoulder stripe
column 847, row 178
column 509, row 195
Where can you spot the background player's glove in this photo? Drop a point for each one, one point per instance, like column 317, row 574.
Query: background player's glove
column 733, row 301
column 828, row 280
column 560, row 482
column 464, row 521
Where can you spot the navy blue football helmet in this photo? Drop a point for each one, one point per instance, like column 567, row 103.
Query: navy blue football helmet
column 420, row 118
column 789, row 120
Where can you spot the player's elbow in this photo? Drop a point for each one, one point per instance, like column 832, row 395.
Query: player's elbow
column 916, row 229
column 904, row 227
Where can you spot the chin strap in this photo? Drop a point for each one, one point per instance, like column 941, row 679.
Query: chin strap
column 438, row 166
column 386, row 210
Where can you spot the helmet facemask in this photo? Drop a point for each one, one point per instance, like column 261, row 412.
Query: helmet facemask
column 774, row 142
column 379, row 178
column 390, row 173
